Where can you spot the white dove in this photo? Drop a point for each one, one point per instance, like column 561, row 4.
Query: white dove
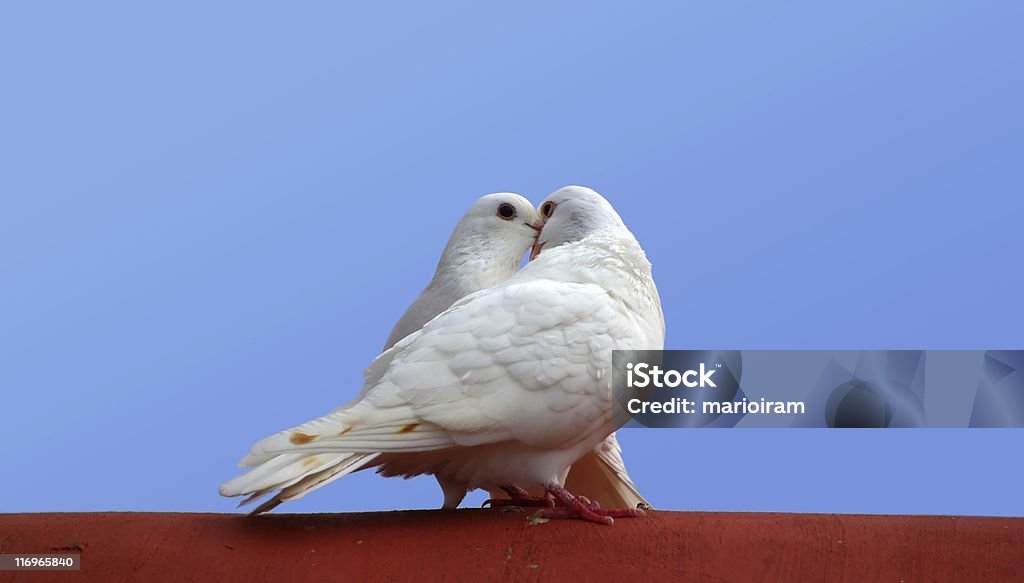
column 484, row 250
column 505, row 389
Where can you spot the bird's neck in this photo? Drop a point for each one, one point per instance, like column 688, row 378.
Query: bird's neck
column 475, row 263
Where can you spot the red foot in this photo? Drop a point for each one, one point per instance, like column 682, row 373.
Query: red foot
column 571, row 506
column 519, row 498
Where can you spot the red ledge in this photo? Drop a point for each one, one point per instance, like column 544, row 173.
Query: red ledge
column 475, row 545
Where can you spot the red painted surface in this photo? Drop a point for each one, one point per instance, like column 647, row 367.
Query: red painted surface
column 475, row 545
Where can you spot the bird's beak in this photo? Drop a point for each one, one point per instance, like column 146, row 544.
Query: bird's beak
column 535, row 250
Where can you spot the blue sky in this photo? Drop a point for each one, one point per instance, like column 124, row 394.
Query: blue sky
column 211, row 216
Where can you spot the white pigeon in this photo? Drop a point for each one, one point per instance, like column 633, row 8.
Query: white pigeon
column 505, row 389
column 484, row 250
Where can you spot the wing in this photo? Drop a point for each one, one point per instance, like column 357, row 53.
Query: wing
column 527, row 361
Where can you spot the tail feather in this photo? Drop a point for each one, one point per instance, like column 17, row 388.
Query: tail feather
column 294, row 474
column 278, row 472
column 394, row 429
column 343, row 466
column 601, row 475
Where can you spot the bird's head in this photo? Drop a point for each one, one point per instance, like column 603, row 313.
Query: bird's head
column 503, row 220
column 570, row 214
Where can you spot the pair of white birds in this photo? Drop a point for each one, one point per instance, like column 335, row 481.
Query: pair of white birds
column 495, row 377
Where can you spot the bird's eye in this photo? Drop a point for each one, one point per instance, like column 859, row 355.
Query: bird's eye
column 506, row 211
column 547, row 208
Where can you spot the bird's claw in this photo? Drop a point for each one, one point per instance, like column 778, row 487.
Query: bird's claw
column 571, row 506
